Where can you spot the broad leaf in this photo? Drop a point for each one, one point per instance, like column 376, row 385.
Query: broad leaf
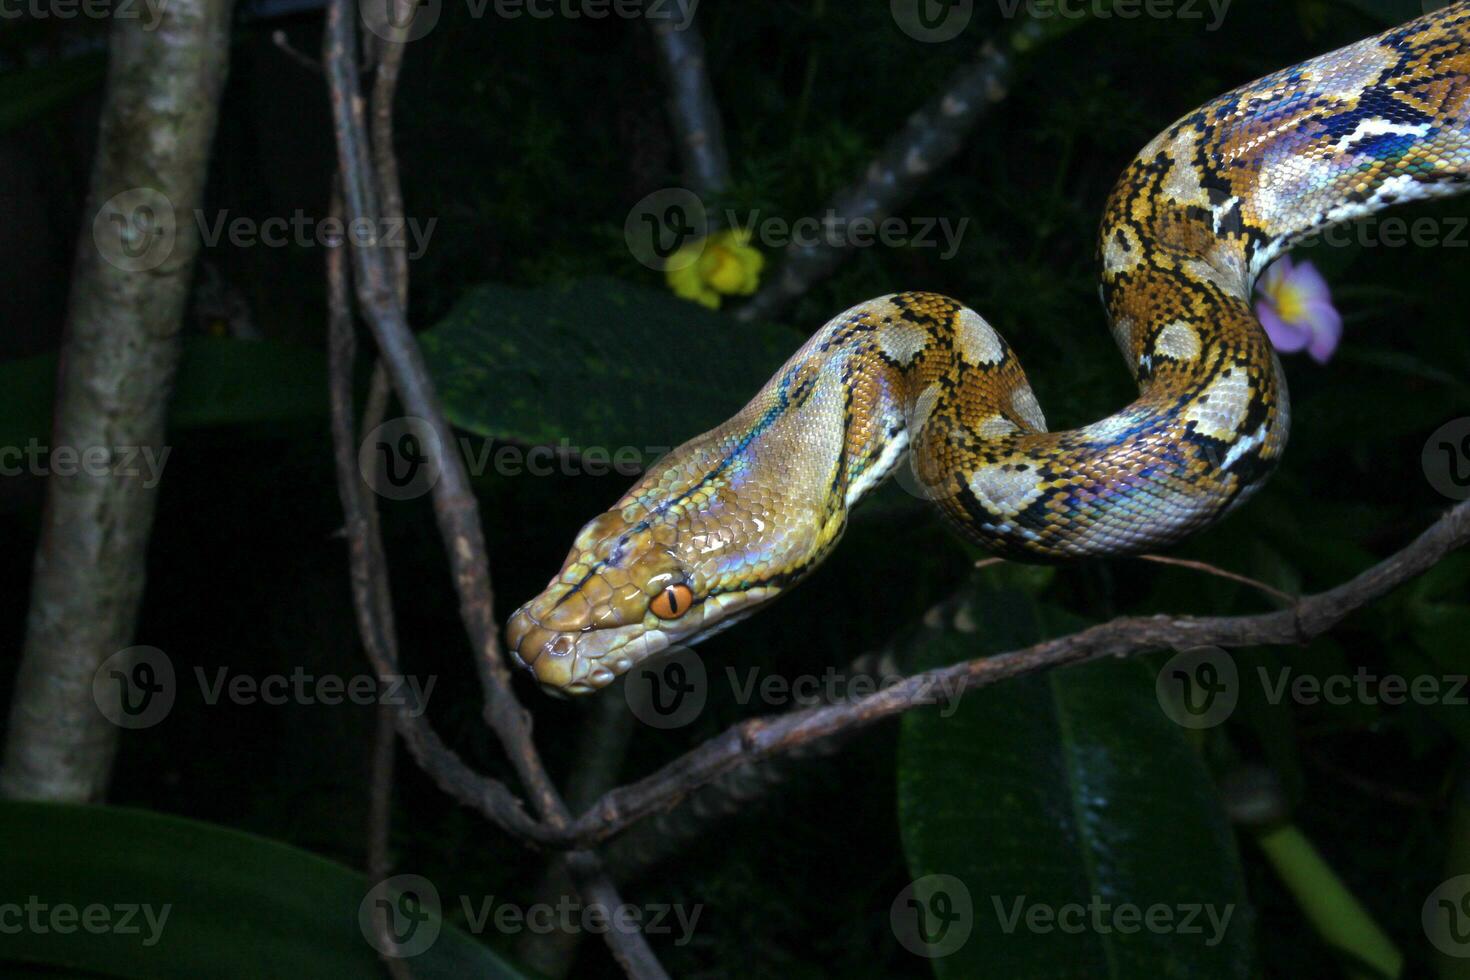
column 237, row 905
column 597, row 363
column 1060, row 800
column 219, row 381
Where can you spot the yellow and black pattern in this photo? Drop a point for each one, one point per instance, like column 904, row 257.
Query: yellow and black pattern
column 733, row 517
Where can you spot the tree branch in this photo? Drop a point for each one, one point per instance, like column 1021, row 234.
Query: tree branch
column 692, row 107
column 131, row 276
column 762, row 738
column 378, row 285
column 927, row 141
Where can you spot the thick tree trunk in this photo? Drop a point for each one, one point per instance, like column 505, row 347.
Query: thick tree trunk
column 128, row 289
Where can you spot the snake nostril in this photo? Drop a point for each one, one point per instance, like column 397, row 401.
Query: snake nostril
column 561, row 646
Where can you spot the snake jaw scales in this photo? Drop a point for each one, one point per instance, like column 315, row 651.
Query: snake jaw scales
column 733, row 517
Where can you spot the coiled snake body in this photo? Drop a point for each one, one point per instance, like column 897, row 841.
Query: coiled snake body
column 733, row 517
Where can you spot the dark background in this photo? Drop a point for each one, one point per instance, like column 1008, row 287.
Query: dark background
column 529, row 140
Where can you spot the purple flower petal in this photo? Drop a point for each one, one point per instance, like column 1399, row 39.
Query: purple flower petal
column 1315, row 324
column 1310, row 281
column 1326, row 331
column 1287, row 337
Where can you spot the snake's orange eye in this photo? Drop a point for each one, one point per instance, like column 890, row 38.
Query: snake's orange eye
column 673, row 602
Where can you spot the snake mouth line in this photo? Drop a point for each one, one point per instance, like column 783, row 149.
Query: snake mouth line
column 577, row 662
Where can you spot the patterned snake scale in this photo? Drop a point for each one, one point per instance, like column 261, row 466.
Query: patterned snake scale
column 733, row 517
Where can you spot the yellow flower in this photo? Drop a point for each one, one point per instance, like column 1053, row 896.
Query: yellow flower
column 724, row 264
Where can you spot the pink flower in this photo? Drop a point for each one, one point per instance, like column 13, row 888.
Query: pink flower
column 1295, row 307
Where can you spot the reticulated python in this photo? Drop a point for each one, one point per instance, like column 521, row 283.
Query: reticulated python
column 733, row 517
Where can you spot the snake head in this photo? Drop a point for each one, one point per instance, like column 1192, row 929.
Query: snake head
column 629, row 589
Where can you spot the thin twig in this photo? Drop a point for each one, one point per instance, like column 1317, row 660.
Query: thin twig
column 370, row 596
column 736, row 793
column 281, row 41
column 380, row 807
column 927, row 141
column 601, row 749
column 691, row 99
column 376, row 286
column 1209, row 569
column 762, row 738
column 1366, row 786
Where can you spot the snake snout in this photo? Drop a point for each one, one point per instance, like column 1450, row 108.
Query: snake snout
column 553, row 656
column 547, row 653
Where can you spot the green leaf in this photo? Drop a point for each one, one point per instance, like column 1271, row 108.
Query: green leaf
column 220, row 380
column 597, row 363
column 1056, row 795
column 237, row 905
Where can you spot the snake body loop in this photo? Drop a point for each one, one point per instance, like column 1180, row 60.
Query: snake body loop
column 733, row 517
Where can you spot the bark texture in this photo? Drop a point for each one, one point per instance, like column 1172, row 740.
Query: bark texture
column 129, row 283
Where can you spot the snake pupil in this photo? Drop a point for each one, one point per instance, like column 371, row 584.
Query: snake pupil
column 673, row 602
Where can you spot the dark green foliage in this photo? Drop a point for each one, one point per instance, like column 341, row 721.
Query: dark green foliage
column 529, row 140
